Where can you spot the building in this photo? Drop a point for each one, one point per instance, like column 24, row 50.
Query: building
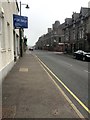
column 77, row 31
column 9, row 37
column 52, row 40
column 72, row 35
column 67, row 33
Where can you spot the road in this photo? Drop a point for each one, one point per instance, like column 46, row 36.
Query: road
column 73, row 73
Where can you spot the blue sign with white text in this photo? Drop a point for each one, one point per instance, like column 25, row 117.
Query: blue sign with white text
column 20, row 21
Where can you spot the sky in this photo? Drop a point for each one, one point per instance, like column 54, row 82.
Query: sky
column 43, row 13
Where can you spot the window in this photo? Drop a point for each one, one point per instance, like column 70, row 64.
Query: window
column 67, row 36
column 8, row 35
column 59, row 39
column 74, row 34
column 81, row 33
column 0, row 25
column 3, row 34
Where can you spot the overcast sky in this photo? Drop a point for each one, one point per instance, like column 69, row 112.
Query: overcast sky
column 43, row 13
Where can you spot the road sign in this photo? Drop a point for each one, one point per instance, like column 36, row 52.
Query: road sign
column 20, row 21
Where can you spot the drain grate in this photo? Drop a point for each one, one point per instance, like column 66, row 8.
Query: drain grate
column 23, row 70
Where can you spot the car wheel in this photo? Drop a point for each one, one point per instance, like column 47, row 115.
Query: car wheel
column 83, row 58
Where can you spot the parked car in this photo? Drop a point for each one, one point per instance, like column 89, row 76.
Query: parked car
column 31, row 49
column 80, row 54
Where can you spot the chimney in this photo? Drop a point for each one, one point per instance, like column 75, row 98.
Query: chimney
column 49, row 30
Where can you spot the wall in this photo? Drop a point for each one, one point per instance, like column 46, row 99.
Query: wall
column 6, row 37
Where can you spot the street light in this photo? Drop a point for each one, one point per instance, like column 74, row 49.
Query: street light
column 25, row 7
column 20, row 31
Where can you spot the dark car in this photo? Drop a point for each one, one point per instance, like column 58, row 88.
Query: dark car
column 31, row 49
column 82, row 55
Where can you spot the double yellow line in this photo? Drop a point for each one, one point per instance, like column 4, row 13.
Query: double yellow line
column 76, row 98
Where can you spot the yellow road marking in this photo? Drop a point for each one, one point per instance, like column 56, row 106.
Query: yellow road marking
column 70, row 102
column 78, row 100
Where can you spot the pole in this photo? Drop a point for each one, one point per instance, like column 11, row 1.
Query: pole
column 20, row 32
column 20, row 8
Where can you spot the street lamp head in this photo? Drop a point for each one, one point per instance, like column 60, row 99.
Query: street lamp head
column 27, row 6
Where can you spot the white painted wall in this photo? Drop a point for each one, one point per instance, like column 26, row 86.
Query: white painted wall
column 7, row 52
column 6, row 40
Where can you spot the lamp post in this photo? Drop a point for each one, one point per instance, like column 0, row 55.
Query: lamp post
column 20, row 32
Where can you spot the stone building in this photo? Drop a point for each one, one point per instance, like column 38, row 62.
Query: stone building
column 72, row 35
column 51, row 41
column 67, row 33
column 77, row 31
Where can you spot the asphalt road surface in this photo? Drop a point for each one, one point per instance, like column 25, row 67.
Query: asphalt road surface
column 73, row 73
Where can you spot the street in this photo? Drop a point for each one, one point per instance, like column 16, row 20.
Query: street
column 28, row 91
column 44, row 73
column 73, row 73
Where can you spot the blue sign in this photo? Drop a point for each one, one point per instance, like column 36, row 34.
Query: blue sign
column 20, row 21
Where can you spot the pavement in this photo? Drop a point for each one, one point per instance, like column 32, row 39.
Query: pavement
column 29, row 92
